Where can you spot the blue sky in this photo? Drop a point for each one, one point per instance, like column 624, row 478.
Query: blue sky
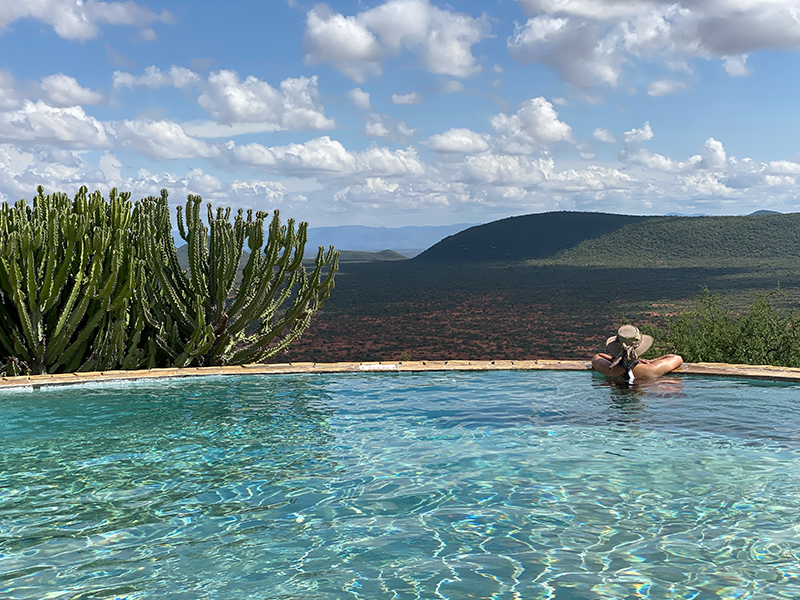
column 407, row 112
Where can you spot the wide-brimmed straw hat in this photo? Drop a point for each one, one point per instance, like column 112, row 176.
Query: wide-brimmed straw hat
column 629, row 336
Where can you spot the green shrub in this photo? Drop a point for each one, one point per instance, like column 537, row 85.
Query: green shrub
column 714, row 332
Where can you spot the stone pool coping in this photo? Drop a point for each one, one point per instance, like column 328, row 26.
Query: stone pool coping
column 718, row 369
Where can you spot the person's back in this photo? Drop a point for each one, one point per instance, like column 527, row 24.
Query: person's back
column 623, row 357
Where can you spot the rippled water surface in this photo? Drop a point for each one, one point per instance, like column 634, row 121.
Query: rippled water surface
column 504, row 485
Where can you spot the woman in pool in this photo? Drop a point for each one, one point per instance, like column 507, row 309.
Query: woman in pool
column 622, row 357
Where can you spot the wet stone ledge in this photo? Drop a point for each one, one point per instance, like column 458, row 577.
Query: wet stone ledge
column 714, row 369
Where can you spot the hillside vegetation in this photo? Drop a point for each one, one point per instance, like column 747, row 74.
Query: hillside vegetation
column 527, row 237
column 601, row 239
column 709, row 241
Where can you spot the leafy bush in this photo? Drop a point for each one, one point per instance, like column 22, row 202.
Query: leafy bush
column 762, row 335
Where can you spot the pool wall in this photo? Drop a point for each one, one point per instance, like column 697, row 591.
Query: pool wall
column 720, row 369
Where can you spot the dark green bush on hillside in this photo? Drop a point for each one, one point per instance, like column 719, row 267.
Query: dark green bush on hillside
column 762, row 335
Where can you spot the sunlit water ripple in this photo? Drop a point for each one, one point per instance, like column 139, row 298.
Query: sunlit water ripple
column 504, row 485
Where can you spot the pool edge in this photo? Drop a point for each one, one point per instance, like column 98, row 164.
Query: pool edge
column 715, row 369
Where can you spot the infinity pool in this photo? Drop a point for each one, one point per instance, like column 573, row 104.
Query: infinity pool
column 498, row 485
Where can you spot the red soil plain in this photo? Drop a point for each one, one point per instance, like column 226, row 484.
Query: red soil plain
column 474, row 327
column 415, row 310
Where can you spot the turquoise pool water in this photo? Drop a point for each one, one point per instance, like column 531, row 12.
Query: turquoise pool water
column 501, row 485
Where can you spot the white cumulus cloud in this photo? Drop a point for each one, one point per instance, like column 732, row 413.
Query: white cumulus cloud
column 535, row 123
column 293, row 107
column 706, row 184
column 376, row 128
column 63, row 90
column 257, row 188
column 360, row 98
column 604, row 135
column 712, row 156
column 324, row 156
column 736, row 66
column 594, row 178
column 358, row 45
column 154, row 78
column 784, row 167
column 503, row 169
column 162, row 140
column 664, row 87
column 344, row 42
column 79, row 20
column 410, row 98
column 458, row 140
column 592, row 42
column 240, row 106
column 575, row 50
column 635, row 136
column 9, row 96
column 40, row 123
column 650, row 160
column 388, row 128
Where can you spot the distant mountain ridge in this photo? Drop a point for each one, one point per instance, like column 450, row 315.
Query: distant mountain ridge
column 622, row 240
column 310, row 255
column 411, row 239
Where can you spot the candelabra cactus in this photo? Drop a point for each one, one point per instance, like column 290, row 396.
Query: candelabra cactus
column 90, row 284
column 67, row 276
column 200, row 316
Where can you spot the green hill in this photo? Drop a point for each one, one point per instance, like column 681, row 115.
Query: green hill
column 600, row 239
column 526, row 237
column 681, row 241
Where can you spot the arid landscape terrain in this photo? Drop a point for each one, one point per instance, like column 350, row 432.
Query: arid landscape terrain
column 480, row 326
column 523, row 289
